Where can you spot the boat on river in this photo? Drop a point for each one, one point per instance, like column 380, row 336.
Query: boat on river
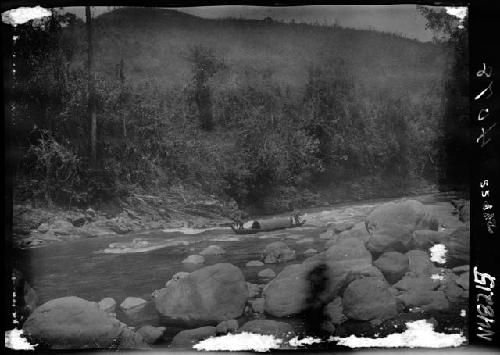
column 268, row 225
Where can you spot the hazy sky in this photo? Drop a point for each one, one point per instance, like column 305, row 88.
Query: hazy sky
column 403, row 19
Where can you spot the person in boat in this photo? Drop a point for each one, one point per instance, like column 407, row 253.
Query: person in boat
column 255, row 225
column 238, row 220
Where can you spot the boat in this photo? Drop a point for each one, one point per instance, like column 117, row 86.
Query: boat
column 269, row 225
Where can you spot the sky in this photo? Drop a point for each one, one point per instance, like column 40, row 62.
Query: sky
column 401, row 19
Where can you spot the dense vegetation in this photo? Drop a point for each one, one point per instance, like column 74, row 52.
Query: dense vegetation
column 241, row 109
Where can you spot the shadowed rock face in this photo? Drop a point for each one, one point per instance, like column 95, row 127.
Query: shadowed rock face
column 208, row 295
column 369, row 299
column 74, row 323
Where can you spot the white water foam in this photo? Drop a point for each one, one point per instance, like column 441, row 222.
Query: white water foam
column 240, row 342
column 140, row 246
column 189, row 230
column 15, row 340
column 419, row 334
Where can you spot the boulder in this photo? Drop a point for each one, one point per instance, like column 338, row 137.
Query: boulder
column 188, row 338
column 393, row 265
column 210, row 294
column 79, row 220
column 369, row 299
column 74, row 323
column 253, row 290
column 288, row 293
column 424, row 239
column 43, row 228
column 464, row 212
column 107, row 304
column 61, row 227
column 334, row 312
column 194, row 259
column 278, row 252
column 258, row 305
column 339, row 227
column 131, row 303
column 267, row 274
column 151, row 334
column 463, row 280
column 212, row 250
column 409, row 214
column 390, row 237
column 305, row 240
column 227, row 326
column 358, row 231
column 254, row 263
column 426, row 299
column 458, row 244
column 268, row 327
column 420, row 263
column 416, row 282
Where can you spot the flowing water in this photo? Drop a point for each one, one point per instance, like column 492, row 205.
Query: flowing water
column 120, row 266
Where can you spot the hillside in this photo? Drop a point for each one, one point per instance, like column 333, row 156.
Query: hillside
column 154, row 44
column 264, row 113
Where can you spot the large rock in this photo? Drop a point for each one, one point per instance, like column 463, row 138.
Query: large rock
column 420, row 263
column 74, row 323
column 227, row 326
column 278, row 252
column 107, row 304
column 458, row 244
column 188, row 338
column 410, row 214
column 424, row 239
column 369, row 299
column 177, row 277
column 426, row 299
column 254, row 263
column 290, row 291
column 334, row 312
column 339, row 227
column 390, row 237
column 268, row 327
column 266, row 274
column 194, row 259
column 358, row 231
column 210, row 294
column 416, row 282
column 393, row 265
column 151, row 334
column 212, row 250
column 131, row 303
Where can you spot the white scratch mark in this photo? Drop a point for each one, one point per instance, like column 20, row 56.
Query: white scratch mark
column 459, row 12
column 22, row 15
column 419, row 334
column 14, row 340
column 305, row 341
column 438, row 253
column 240, row 342
column 463, row 313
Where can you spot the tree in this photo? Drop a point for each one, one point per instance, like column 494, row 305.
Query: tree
column 91, row 89
column 204, row 66
column 455, row 151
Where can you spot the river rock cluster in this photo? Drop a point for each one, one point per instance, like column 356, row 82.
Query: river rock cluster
column 368, row 272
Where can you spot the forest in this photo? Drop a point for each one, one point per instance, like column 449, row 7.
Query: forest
column 261, row 112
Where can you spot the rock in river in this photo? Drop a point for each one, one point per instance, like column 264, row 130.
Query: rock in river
column 393, row 265
column 208, row 295
column 194, row 259
column 369, row 299
column 74, row 323
column 278, row 252
column 267, row 274
column 212, row 250
column 254, row 263
column 132, row 303
column 410, row 214
column 151, row 334
column 187, row 338
column 107, row 304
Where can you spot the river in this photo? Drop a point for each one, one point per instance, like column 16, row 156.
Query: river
column 91, row 269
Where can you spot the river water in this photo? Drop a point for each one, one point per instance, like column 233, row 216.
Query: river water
column 91, row 269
